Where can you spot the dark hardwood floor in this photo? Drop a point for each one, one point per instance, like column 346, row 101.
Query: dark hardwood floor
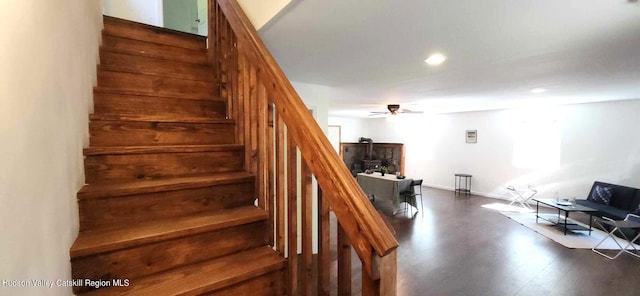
column 457, row 247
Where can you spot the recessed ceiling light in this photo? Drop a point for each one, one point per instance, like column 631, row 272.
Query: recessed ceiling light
column 538, row 90
column 435, row 59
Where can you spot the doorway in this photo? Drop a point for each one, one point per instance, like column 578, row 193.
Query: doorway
column 335, row 137
column 186, row 15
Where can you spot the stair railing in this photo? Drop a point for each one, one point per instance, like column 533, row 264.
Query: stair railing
column 281, row 138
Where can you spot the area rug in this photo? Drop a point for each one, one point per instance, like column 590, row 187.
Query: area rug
column 507, row 208
column 575, row 240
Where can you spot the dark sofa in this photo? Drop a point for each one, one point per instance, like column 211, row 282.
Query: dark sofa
column 623, row 200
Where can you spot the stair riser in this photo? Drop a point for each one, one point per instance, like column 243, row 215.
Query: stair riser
column 106, row 103
column 157, row 85
column 155, row 50
column 131, row 167
column 265, row 285
column 113, row 213
column 147, row 259
column 142, row 32
column 136, row 133
column 154, row 66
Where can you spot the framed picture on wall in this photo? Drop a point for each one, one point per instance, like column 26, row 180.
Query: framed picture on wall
column 471, row 136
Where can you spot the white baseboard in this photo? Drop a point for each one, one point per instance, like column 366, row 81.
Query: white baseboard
column 483, row 194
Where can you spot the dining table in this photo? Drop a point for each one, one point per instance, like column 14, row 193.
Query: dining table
column 386, row 187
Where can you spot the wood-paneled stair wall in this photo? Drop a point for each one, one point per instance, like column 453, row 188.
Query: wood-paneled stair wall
column 192, row 174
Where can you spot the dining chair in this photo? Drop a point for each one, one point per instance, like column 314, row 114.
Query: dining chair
column 413, row 194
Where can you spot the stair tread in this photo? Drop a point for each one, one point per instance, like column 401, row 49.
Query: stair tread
column 149, row 33
column 160, row 149
column 175, row 75
column 159, row 118
column 116, row 90
column 94, row 242
column 106, row 68
column 203, row 277
column 155, row 55
column 113, row 19
column 158, row 185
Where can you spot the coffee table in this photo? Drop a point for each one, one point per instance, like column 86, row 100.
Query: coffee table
column 564, row 221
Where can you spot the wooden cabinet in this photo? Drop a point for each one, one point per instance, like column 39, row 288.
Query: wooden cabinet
column 390, row 155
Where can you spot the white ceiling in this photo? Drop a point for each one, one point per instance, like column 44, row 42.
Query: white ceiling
column 371, row 52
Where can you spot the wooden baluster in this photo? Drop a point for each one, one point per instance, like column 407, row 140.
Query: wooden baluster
column 292, row 215
column 381, row 278
column 370, row 276
column 263, row 134
column 324, row 253
column 224, row 51
column 369, row 286
column 271, row 193
column 251, row 122
column 243, row 81
column 214, row 36
column 280, row 179
column 307, row 228
column 344, row 263
column 387, row 267
column 212, row 15
column 225, row 48
column 231, row 86
column 245, row 95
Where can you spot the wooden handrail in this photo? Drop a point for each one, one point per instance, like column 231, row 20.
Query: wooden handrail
column 347, row 199
column 272, row 120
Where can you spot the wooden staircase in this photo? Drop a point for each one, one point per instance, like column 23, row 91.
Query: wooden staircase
column 169, row 208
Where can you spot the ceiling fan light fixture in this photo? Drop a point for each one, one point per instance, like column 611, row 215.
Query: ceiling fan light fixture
column 435, row 59
column 393, row 108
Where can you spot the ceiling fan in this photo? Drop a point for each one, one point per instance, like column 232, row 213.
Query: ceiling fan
column 394, row 109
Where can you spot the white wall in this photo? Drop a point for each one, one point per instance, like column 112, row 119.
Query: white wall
column 142, row 11
column 260, row 12
column 351, row 128
column 48, row 56
column 316, row 97
column 563, row 148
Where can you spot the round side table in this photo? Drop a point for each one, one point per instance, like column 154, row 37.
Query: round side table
column 462, row 184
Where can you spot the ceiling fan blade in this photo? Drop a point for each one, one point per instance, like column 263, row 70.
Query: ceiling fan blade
column 378, row 113
column 407, row 111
